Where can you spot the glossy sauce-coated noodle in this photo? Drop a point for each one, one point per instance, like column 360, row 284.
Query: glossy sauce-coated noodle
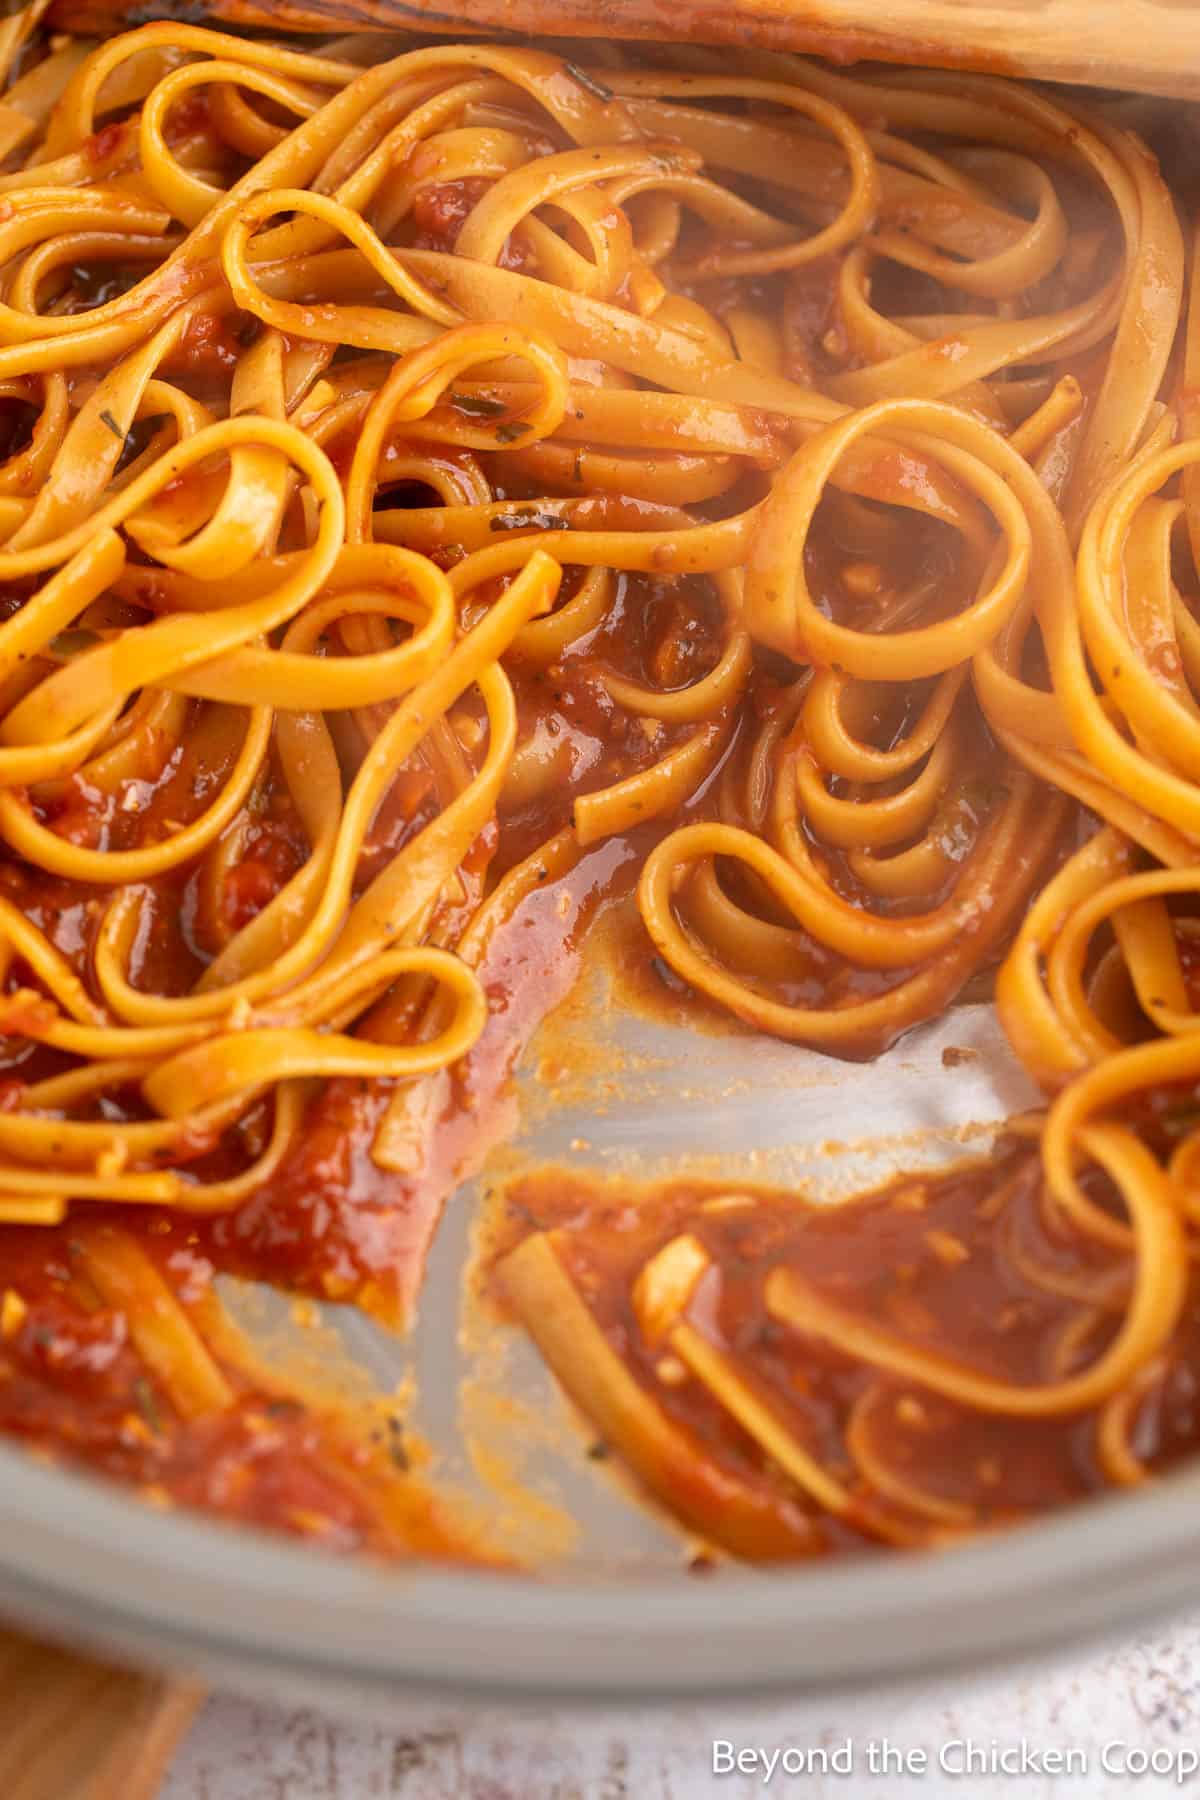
column 444, row 493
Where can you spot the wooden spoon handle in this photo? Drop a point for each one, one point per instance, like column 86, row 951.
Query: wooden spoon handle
column 74, row 1729
column 1149, row 45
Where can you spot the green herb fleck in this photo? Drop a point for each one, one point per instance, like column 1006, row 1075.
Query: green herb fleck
column 146, row 1401
column 510, row 431
column 283, row 1409
column 396, row 1450
column 478, row 406
column 588, row 81
column 74, row 642
column 108, row 420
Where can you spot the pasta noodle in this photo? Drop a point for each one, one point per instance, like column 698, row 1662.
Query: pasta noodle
column 444, row 492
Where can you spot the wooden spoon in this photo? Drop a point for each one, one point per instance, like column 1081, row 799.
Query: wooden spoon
column 1152, row 46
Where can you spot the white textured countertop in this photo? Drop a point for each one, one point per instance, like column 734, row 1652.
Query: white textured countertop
column 1119, row 1706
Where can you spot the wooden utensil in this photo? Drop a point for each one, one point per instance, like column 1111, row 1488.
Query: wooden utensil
column 1149, row 45
column 74, row 1729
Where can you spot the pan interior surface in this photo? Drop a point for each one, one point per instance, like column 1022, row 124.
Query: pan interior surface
column 610, row 1617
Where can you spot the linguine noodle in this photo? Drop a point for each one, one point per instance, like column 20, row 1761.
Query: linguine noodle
column 434, row 477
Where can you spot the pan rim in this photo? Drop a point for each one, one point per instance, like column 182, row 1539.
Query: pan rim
column 82, row 1559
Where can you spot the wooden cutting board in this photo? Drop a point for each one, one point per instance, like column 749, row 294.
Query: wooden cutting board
column 74, row 1729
